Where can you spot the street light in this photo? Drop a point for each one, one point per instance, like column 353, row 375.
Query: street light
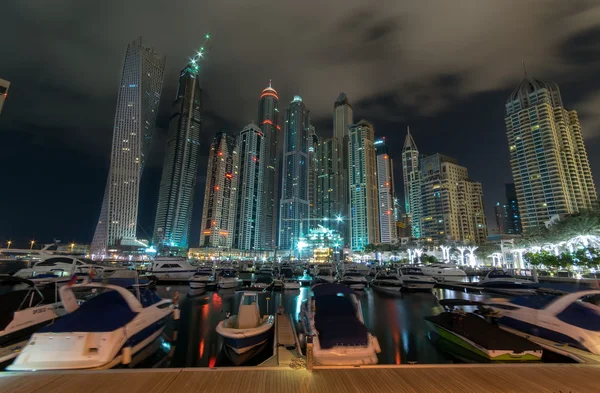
column 72, row 246
column 31, row 244
column 8, row 243
column 339, row 219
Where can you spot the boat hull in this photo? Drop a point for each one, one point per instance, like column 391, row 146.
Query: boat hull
column 388, row 290
column 197, row 284
column 418, row 285
column 243, row 340
column 229, row 284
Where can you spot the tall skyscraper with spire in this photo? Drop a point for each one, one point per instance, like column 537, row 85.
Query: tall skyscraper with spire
column 294, row 208
column 316, row 211
column 548, row 158
column 135, row 118
column 412, row 184
column 268, row 120
column 178, row 181
column 342, row 119
column 364, row 199
column 386, row 187
column 220, row 194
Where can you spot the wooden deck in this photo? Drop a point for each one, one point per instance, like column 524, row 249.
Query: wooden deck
column 381, row 379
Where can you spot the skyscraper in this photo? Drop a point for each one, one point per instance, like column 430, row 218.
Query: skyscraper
column 178, row 181
column 385, row 183
column 412, row 186
column 325, row 178
column 364, row 200
column 512, row 223
column 252, row 147
column 547, row 155
column 451, row 204
column 218, row 214
column 135, row 118
column 313, row 176
column 294, row 210
column 342, row 119
column 268, row 120
column 4, row 85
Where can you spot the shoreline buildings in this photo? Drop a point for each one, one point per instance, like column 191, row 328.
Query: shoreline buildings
column 386, row 186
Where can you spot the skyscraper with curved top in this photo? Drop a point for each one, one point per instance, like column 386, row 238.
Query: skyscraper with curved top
column 548, row 158
column 268, row 120
column 135, row 118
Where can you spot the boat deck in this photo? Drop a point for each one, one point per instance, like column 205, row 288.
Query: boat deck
column 378, row 379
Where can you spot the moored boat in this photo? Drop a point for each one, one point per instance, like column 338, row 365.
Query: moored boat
column 201, row 278
column 173, row 269
column 387, row 283
column 501, row 280
column 354, row 279
column 412, row 278
column 444, row 272
column 228, row 279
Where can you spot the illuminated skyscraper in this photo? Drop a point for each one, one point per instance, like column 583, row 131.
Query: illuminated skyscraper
column 385, row 183
column 313, row 176
column 547, row 155
column 325, row 178
column 252, row 148
column 412, row 185
column 220, row 195
column 342, row 119
column 135, row 118
column 4, row 85
column 512, row 223
column 268, row 120
column 294, row 210
column 364, row 200
column 178, row 181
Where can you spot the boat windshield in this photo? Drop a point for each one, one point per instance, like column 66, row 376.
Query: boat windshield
column 412, row 271
column 227, row 273
column 499, row 274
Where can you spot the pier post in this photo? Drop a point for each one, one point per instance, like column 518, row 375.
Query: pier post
column 309, row 353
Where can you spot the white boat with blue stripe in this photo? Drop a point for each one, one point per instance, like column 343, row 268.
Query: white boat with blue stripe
column 172, row 269
column 247, row 329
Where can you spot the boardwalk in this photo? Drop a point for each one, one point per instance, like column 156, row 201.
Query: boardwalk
column 430, row 379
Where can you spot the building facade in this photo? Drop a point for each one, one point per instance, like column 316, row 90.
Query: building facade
column 342, row 120
column 180, row 167
column 548, row 158
column 135, row 118
column 4, row 85
column 364, row 200
column 313, row 176
column 325, row 178
column 412, row 184
column 385, row 183
column 220, row 193
column 252, row 147
column 268, row 121
column 512, row 224
column 294, row 209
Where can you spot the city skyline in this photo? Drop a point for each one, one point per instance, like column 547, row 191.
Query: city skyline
column 62, row 121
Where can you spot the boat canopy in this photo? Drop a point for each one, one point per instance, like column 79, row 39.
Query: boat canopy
column 331, row 289
column 70, row 303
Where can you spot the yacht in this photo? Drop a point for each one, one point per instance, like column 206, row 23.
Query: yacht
column 228, row 279
column 110, row 326
column 247, row 267
column 172, row 269
column 572, row 319
column 266, row 268
column 247, row 329
column 413, row 278
column 60, row 269
column 333, row 316
column 25, row 309
column 290, row 284
column 387, row 283
column 324, row 272
column 263, row 281
column 444, row 272
column 201, row 278
column 501, row 280
column 354, row 279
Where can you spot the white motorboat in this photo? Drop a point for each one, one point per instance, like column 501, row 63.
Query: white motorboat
column 172, row 269
column 247, row 329
column 572, row 319
column 263, row 281
column 60, row 269
column 247, row 267
column 501, row 280
column 290, row 284
column 110, row 326
column 387, row 283
column 228, row 279
column 413, row 278
column 354, row 279
column 201, row 278
column 333, row 317
column 324, row 272
column 266, row 268
column 444, row 272
column 25, row 309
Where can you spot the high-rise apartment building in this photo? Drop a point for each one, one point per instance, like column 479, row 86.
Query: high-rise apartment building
column 385, row 184
column 364, row 200
column 548, row 158
column 4, row 85
column 178, row 181
column 412, row 184
column 135, row 118
column 325, row 178
column 219, row 212
column 294, row 209
column 252, row 146
column 313, row 176
column 451, row 204
column 512, row 223
column 342, row 119
column 268, row 121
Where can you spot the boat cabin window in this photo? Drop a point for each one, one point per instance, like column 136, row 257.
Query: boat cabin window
column 412, row 272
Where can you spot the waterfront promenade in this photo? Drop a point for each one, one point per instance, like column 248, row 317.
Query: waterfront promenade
column 534, row 378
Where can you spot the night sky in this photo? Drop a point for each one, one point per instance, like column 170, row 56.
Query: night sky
column 443, row 67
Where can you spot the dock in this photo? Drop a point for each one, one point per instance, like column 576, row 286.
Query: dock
column 374, row 379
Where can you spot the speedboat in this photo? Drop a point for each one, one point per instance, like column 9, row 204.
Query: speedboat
column 387, row 283
column 201, row 279
column 60, row 269
column 290, row 284
column 287, row 271
column 333, row 317
column 324, row 273
column 263, row 281
column 228, row 279
column 413, row 278
column 25, row 309
column 172, row 269
column 110, row 326
column 278, row 283
column 247, row 267
column 444, row 272
column 247, row 329
column 572, row 319
column 266, row 268
column 501, row 280
column 354, row 279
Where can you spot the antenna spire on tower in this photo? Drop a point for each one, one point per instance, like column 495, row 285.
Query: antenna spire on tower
column 524, row 69
column 270, row 83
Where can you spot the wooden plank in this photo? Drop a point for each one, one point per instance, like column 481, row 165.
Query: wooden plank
column 19, row 383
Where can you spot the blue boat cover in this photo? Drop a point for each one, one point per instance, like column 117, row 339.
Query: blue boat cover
column 148, row 297
column 103, row 313
column 533, row 301
column 337, row 324
column 331, row 289
column 578, row 314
